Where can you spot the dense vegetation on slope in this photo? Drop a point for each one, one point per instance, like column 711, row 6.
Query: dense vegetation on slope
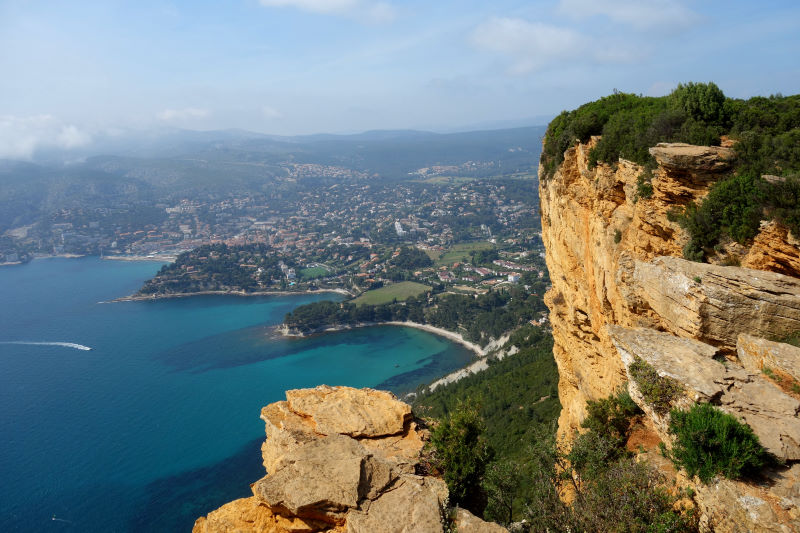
column 709, row 442
column 612, row 491
column 214, row 267
column 478, row 319
column 515, row 394
column 766, row 132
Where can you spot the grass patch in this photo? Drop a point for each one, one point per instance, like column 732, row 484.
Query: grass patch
column 388, row 294
column 434, row 254
column 313, row 273
column 460, row 252
column 658, row 391
column 792, row 338
column 709, row 442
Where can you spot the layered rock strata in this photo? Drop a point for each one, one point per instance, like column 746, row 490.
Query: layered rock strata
column 339, row 459
column 614, row 259
column 621, row 291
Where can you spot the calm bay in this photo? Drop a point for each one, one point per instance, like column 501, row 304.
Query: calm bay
column 159, row 422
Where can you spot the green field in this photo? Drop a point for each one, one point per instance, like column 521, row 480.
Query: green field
column 311, row 273
column 460, row 252
column 396, row 291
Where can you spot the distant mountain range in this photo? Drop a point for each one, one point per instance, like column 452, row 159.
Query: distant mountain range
column 146, row 168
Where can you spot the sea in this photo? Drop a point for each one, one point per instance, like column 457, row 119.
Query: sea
column 158, row 423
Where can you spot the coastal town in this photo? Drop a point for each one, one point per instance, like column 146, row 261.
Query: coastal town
column 467, row 237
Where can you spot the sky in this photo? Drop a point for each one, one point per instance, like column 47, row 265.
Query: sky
column 73, row 72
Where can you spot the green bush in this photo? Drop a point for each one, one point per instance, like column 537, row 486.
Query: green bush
column 709, row 442
column 658, row 391
column 767, row 135
column 612, row 491
column 461, row 452
column 783, row 202
column 644, row 186
column 733, row 207
column 610, row 417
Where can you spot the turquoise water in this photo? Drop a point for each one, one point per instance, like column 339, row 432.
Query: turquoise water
column 159, row 422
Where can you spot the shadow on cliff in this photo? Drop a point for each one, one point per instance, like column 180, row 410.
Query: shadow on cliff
column 173, row 503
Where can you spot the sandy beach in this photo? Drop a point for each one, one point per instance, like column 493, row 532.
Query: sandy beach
column 450, row 335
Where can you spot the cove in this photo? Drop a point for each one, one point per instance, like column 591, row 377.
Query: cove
column 159, row 422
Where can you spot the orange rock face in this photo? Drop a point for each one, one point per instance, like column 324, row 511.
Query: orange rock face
column 615, row 261
column 600, row 236
column 338, row 459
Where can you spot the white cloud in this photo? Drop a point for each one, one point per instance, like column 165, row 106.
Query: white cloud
column 660, row 15
column 530, row 45
column 364, row 10
column 21, row 137
column 187, row 113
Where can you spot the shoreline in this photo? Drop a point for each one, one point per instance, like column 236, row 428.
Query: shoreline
column 450, row 335
column 166, row 258
column 153, row 297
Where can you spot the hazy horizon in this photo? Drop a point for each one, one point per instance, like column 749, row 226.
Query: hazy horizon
column 78, row 73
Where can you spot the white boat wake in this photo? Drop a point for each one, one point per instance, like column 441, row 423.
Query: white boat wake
column 64, row 344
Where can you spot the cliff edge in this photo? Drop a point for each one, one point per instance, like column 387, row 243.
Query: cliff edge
column 621, row 290
column 345, row 460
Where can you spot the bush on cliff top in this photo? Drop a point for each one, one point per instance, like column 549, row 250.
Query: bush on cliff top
column 658, row 391
column 767, row 135
column 461, row 453
column 767, row 130
column 709, row 442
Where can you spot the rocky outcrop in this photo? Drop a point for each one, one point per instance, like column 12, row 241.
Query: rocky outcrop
column 614, row 258
column 771, row 505
column 621, row 290
column 747, row 395
column 338, row 459
column 774, row 249
column 712, row 303
column 759, row 355
column 695, row 161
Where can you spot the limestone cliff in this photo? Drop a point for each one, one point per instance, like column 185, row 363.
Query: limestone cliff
column 341, row 459
column 621, row 290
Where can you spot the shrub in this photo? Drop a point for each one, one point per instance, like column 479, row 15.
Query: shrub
column 617, row 236
column 610, row 494
column 610, row 417
column 658, row 391
column 709, row 442
column 644, row 187
column 462, row 453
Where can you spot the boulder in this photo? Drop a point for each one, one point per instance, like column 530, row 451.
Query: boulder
column 249, row 514
column 467, row 522
column 412, row 505
column 324, row 479
column 381, row 422
column 757, row 354
column 683, row 157
column 713, row 303
column 347, row 411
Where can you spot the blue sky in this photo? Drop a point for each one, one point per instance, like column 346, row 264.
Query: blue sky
column 73, row 71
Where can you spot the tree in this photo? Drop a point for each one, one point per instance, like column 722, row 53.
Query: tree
column 461, row 452
column 502, row 484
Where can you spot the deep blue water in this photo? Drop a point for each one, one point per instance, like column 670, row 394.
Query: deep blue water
column 158, row 423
